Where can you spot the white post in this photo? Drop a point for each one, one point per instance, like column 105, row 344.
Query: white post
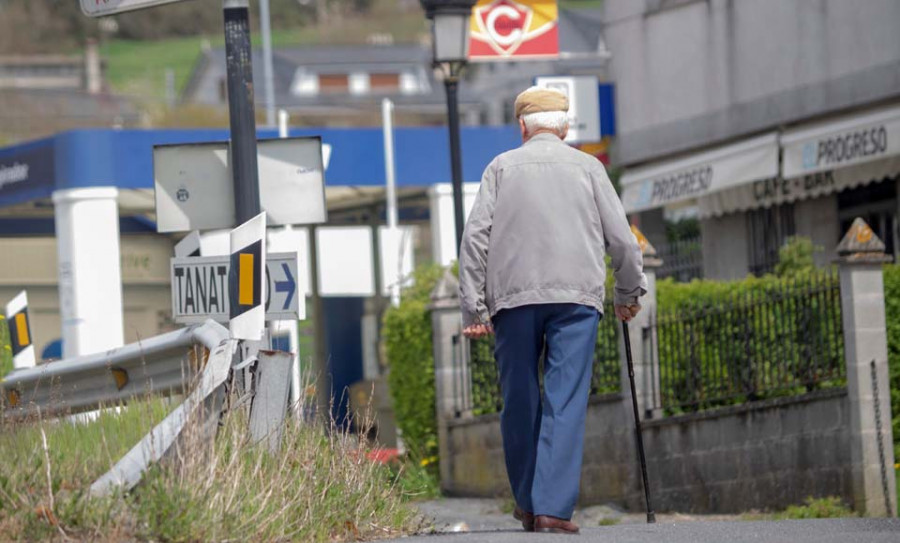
column 265, row 24
column 287, row 240
column 387, row 115
column 860, row 260
column 90, row 276
column 283, row 119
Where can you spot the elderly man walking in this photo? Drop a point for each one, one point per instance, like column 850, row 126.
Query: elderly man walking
column 532, row 271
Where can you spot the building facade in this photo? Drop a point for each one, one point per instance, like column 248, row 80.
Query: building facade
column 762, row 120
column 339, row 85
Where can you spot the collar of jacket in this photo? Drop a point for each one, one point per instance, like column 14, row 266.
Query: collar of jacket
column 544, row 136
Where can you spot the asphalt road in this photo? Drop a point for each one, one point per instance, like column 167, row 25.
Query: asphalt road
column 787, row 531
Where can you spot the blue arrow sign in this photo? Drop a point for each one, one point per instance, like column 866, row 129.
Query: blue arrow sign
column 289, row 286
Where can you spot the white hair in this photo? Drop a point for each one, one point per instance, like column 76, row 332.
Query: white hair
column 555, row 121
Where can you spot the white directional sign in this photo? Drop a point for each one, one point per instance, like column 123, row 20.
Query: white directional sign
column 200, row 288
column 102, row 8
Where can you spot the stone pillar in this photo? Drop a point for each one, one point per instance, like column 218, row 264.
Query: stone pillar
column 90, row 275
column 640, row 330
column 860, row 258
column 450, row 377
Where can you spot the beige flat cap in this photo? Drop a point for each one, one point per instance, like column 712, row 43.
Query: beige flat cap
column 537, row 99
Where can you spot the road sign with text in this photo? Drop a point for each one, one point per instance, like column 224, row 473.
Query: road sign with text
column 103, row 8
column 200, row 288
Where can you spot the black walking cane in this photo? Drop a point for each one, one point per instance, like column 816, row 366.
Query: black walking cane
column 651, row 516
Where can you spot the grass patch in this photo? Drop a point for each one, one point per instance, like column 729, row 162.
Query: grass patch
column 138, row 68
column 507, row 506
column 812, row 508
column 830, row 507
column 609, row 521
column 318, row 488
column 414, row 480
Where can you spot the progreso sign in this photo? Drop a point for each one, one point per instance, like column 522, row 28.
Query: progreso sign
column 200, row 288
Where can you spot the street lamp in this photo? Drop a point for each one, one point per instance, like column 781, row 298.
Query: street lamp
column 450, row 39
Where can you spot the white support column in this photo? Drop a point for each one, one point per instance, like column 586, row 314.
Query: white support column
column 90, row 277
column 452, row 382
column 443, row 232
column 860, row 260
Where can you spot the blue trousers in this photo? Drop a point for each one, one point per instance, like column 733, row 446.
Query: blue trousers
column 543, row 438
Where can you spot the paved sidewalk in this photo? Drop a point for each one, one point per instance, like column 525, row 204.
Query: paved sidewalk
column 473, row 520
column 478, row 515
column 787, row 531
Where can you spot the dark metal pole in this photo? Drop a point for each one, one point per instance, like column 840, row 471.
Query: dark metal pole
column 241, row 113
column 651, row 516
column 451, row 84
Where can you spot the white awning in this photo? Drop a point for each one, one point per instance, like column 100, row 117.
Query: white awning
column 701, row 174
column 769, row 192
column 849, row 141
column 821, row 159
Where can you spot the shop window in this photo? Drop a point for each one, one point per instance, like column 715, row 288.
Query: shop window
column 768, row 229
column 384, row 82
column 333, row 83
column 876, row 203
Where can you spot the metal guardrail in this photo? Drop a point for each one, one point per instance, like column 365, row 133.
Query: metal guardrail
column 161, row 365
column 165, row 364
column 205, row 400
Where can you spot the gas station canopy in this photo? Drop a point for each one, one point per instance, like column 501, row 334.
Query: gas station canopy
column 31, row 172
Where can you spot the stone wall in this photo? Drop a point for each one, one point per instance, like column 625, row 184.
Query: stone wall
column 761, row 455
column 777, row 452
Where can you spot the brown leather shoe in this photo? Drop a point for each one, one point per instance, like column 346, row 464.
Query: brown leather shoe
column 526, row 518
column 552, row 525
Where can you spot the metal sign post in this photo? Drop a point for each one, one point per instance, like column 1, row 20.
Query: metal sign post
column 239, row 68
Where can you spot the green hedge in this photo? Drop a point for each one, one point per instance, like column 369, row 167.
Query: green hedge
column 685, row 297
column 725, row 343
column 407, row 336
column 892, row 316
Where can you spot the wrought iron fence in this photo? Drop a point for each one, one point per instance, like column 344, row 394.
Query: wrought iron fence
column 485, row 398
column 777, row 341
column 681, row 260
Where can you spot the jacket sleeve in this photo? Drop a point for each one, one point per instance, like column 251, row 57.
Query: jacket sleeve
column 474, row 251
column 622, row 246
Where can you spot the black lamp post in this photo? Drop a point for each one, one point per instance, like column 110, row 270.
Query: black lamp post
column 450, row 38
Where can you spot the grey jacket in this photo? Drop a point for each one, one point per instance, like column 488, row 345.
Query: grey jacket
column 543, row 219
